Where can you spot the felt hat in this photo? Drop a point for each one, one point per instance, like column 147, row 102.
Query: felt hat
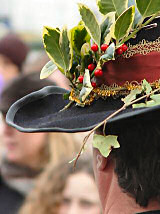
column 123, row 71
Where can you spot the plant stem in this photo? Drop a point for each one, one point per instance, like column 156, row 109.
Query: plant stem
column 104, row 122
column 139, row 28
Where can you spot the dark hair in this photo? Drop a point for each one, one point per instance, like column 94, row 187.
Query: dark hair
column 21, row 86
column 137, row 161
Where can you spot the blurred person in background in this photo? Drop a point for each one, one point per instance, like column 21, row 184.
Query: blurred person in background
column 13, row 52
column 24, row 155
column 63, row 190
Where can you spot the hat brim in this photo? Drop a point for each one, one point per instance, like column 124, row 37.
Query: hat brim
column 41, row 112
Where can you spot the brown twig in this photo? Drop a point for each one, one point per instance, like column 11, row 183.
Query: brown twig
column 108, row 118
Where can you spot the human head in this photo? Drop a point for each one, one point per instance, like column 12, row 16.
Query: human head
column 126, row 71
column 135, row 165
column 55, row 193
column 13, row 52
column 21, row 148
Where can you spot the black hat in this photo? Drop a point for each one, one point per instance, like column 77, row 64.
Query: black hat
column 121, row 67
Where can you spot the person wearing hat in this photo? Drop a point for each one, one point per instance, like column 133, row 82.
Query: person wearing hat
column 13, row 52
column 115, row 94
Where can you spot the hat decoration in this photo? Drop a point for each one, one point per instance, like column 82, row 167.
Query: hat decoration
column 82, row 53
column 101, row 60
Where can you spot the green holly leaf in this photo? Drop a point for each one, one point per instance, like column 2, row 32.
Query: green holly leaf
column 87, row 87
column 123, row 24
column 137, row 17
column 106, row 24
column 90, row 23
column 85, row 49
column 146, row 87
column 105, row 144
column 132, row 96
column 66, row 48
column 118, row 6
column 51, row 38
column 47, row 70
column 109, row 54
column 79, row 36
column 148, row 7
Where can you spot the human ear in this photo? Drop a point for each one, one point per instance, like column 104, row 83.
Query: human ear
column 101, row 162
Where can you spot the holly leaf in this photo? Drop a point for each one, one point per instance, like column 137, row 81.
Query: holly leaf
column 90, row 23
column 118, row 6
column 51, row 38
column 137, row 17
column 109, row 53
column 148, row 7
column 123, row 24
column 85, row 49
column 105, row 144
column 79, row 36
column 146, row 87
column 106, row 24
column 66, row 48
column 87, row 87
column 47, row 70
column 132, row 96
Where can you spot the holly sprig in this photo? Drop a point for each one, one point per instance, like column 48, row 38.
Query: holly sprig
column 85, row 48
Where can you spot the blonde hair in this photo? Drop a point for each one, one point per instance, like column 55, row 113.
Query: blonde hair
column 47, row 196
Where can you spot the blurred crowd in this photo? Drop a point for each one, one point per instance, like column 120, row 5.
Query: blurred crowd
column 35, row 173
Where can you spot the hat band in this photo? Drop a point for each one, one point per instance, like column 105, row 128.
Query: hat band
column 138, row 67
column 114, row 91
column 144, row 47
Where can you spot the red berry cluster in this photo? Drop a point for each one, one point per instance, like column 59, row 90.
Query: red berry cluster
column 121, row 49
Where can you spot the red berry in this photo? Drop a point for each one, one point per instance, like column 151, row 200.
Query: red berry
column 119, row 51
column 124, row 47
column 104, row 47
column 94, row 47
column 80, row 78
column 94, row 84
column 98, row 73
column 91, row 67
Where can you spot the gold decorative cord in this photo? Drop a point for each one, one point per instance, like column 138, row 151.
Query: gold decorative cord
column 114, row 91
column 144, row 47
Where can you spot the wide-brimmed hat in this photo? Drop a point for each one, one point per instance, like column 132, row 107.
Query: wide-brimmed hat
column 120, row 68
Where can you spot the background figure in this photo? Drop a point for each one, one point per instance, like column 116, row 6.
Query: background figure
column 13, row 52
column 25, row 155
column 63, row 190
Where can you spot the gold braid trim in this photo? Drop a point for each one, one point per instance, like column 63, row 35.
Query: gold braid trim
column 144, row 47
column 114, row 91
